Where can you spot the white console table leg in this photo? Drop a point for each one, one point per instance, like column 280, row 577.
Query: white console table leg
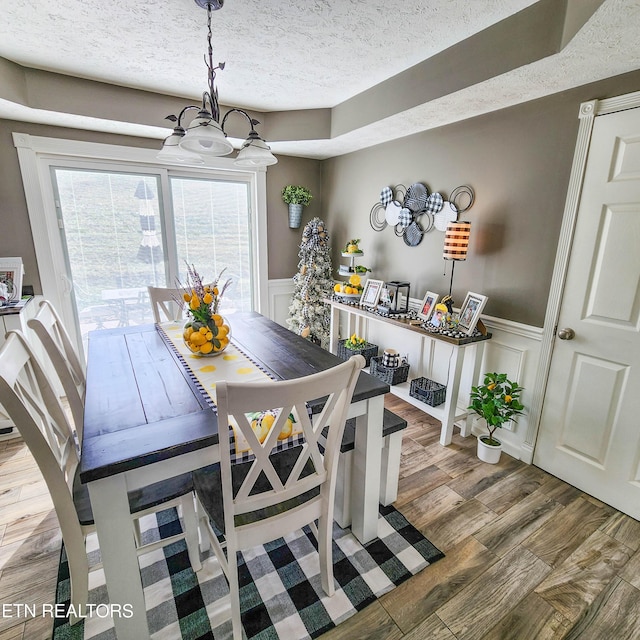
column 334, row 329
column 475, row 378
column 455, row 372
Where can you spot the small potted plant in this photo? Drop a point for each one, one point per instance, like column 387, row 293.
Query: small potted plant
column 356, row 345
column 296, row 197
column 497, row 400
column 352, row 247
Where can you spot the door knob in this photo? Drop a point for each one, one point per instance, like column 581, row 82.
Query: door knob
column 566, row 334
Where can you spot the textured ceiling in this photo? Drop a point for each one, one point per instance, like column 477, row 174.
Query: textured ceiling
column 298, row 54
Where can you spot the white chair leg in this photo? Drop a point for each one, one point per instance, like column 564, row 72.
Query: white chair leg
column 203, row 526
column 325, row 541
column 191, row 530
column 79, row 577
column 342, row 514
column 234, row 592
column 137, row 532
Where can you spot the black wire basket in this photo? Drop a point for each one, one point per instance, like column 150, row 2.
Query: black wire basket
column 428, row 391
column 390, row 375
column 368, row 350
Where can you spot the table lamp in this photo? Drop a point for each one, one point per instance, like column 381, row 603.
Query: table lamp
column 456, row 244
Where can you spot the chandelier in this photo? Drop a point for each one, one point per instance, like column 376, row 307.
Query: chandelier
column 205, row 135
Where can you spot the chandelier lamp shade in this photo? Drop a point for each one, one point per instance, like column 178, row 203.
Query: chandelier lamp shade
column 205, row 135
column 456, row 244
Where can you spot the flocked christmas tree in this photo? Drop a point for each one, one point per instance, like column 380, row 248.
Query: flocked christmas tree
column 308, row 315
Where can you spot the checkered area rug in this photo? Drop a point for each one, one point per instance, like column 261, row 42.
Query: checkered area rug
column 281, row 593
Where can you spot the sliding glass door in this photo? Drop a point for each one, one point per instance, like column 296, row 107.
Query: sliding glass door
column 123, row 230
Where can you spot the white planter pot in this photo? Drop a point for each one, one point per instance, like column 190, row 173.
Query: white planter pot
column 488, row 453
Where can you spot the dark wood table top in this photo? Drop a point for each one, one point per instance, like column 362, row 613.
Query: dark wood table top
column 142, row 406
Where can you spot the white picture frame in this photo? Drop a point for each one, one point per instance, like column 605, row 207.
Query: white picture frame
column 11, row 270
column 371, row 293
column 470, row 312
column 428, row 305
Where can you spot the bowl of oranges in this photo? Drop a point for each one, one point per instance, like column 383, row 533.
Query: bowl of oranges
column 351, row 289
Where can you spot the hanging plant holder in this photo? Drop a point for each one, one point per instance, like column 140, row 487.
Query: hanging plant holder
column 295, row 215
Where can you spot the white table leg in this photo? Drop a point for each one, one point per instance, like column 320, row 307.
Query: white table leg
column 477, row 363
column 120, row 561
column 390, row 468
column 455, row 372
column 365, row 476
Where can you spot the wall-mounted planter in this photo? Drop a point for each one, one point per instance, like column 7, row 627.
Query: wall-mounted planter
column 295, row 215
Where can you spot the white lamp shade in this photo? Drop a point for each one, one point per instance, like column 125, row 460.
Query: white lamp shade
column 171, row 151
column 205, row 136
column 456, row 240
column 255, row 153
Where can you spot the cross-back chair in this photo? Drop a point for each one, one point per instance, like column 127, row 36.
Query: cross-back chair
column 258, row 501
column 57, row 344
column 166, row 304
column 27, row 395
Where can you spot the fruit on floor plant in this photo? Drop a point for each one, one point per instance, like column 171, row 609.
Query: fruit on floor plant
column 497, row 400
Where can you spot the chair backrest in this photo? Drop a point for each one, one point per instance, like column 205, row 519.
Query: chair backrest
column 166, row 304
column 48, row 326
column 27, row 395
column 310, row 470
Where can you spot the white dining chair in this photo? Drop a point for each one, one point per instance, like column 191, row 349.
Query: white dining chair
column 28, row 396
column 70, row 370
column 166, row 304
column 258, row 501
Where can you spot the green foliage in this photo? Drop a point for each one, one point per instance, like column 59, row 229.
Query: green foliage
column 497, row 400
column 355, row 343
column 292, row 194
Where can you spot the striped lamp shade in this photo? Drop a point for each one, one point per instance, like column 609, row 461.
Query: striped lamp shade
column 456, row 240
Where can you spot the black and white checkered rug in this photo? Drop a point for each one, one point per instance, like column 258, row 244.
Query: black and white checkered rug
column 281, row 594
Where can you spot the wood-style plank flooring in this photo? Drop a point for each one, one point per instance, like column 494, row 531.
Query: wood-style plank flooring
column 527, row 555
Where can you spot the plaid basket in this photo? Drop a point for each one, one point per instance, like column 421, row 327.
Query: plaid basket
column 428, row 391
column 390, row 375
column 367, row 350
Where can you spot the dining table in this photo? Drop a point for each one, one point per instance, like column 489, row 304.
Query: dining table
column 147, row 419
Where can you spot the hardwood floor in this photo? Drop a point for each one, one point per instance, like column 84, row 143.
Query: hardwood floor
column 527, row 556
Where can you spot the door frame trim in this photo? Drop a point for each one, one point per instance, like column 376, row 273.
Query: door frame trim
column 587, row 113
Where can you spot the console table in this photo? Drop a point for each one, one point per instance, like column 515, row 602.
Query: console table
column 447, row 413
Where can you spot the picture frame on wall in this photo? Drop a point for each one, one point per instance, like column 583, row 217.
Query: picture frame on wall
column 428, row 305
column 11, row 276
column 470, row 312
column 371, row 293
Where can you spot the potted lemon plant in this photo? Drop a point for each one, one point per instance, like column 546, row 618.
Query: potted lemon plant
column 296, row 197
column 497, row 401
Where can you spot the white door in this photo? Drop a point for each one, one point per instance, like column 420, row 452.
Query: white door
column 590, row 428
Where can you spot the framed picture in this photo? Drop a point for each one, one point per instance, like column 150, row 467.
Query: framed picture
column 428, row 305
column 470, row 312
column 11, row 277
column 371, row 293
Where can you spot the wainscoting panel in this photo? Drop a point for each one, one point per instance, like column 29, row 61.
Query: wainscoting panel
column 280, row 292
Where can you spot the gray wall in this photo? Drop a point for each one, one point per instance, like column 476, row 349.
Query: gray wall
column 15, row 230
column 518, row 162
